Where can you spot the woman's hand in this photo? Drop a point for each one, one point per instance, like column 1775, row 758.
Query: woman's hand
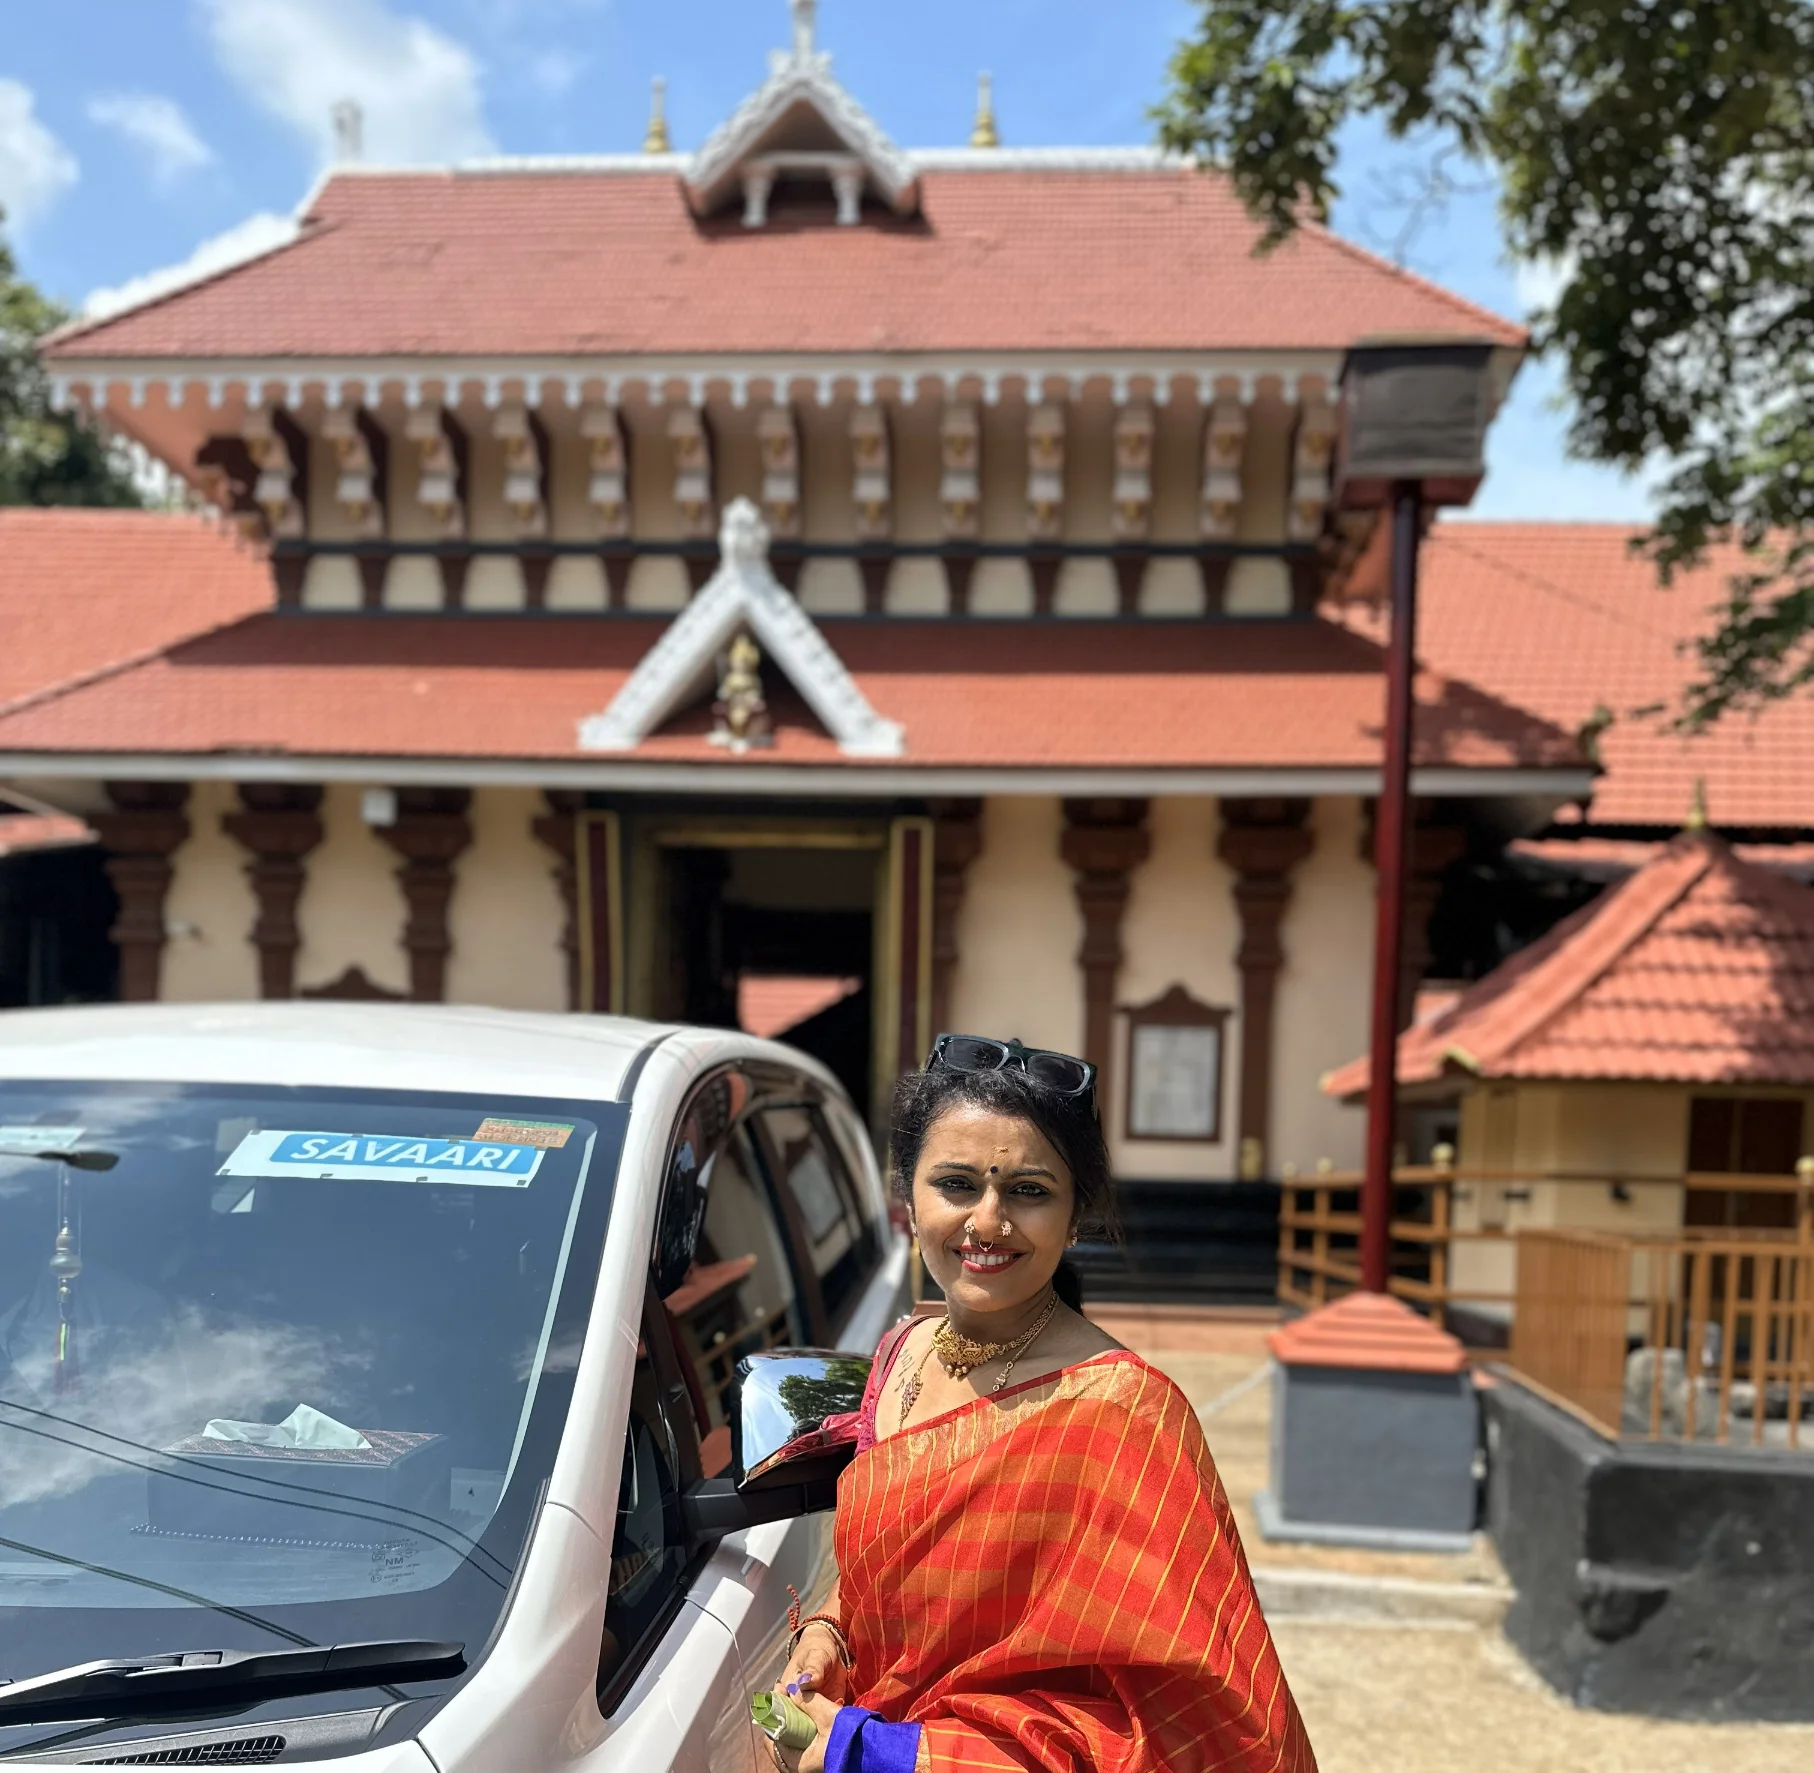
column 817, row 1666
column 823, row 1712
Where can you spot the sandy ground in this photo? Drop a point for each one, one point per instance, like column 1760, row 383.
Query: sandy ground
column 1382, row 1698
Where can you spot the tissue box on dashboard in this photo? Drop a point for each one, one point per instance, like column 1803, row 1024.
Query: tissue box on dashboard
column 242, row 1490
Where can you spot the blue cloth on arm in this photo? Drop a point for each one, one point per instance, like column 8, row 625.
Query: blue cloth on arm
column 862, row 1742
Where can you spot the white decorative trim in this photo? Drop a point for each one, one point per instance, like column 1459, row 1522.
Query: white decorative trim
column 801, row 76
column 743, row 593
column 751, row 777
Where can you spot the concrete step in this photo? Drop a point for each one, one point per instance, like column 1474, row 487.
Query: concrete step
column 1335, row 1597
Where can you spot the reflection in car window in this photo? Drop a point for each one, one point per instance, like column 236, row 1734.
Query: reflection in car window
column 739, row 1295
column 841, row 1245
column 277, row 1349
column 648, row 1551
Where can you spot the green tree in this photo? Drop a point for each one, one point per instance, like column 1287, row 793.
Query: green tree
column 1658, row 156
column 46, row 457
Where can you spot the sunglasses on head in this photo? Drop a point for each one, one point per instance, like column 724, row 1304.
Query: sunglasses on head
column 1057, row 1072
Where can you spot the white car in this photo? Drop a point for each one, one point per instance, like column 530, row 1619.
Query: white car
column 368, row 1382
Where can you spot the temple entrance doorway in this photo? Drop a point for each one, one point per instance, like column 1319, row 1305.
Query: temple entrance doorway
column 774, row 932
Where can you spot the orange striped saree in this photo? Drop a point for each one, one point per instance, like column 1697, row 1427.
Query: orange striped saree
column 1051, row 1579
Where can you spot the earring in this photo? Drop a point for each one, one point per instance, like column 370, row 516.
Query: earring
column 1007, row 1229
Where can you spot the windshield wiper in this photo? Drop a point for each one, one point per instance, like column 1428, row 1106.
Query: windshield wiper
column 133, row 1682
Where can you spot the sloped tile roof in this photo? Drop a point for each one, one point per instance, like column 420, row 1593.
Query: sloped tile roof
column 85, row 591
column 995, row 694
column 1698, row 969
column 536, row 263
column 1563, row 619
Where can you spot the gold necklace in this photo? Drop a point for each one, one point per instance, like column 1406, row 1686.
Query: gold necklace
column 961, row 1355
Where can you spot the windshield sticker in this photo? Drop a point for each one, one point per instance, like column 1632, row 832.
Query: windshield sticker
column 549, row 1135
column 29, row 1141
column 382, row 1157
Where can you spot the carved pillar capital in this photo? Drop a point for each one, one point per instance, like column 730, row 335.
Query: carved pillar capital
column 1263, row 841
column 145, row 829
column 279, row 823
column 431, row 830
column 957, row 840
column 1104, row 841
column 558, row 830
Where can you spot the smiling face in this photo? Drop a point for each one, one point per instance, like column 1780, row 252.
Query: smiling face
column 1000, row 1176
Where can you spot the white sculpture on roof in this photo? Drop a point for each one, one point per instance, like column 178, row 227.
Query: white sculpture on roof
column 743, row 595
column 800, row 124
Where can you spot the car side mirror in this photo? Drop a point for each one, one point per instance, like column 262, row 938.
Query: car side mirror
column 794, row 1414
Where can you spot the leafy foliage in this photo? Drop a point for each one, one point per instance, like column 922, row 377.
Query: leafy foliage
column 1658, row 155
column 46, row 458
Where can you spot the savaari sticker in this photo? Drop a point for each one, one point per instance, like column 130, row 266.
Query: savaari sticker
column 550, row 1135
column 383, row 1157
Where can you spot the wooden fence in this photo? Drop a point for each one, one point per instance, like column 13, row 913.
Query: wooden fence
column 1319, row 1228
column 1695, row 1337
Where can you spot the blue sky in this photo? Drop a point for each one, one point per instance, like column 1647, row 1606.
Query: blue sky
column 135, row 132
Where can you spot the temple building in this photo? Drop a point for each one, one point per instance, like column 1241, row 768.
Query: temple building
column 633, row 579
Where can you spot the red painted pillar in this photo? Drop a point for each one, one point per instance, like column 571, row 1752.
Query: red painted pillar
column 1392, row 852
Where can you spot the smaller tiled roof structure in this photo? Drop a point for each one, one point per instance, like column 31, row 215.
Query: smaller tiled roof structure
column 1699, row 969
column 86, row 592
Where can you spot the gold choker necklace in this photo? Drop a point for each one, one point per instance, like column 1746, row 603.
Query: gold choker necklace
column 961, row 1355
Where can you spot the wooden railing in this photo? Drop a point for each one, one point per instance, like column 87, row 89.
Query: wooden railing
column 1704, row 1337
column 1319, row 1228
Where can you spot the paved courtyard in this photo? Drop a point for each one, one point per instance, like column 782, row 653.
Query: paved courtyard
column 1447, row 1694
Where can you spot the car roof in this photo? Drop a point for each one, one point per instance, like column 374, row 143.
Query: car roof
column 357, row 1046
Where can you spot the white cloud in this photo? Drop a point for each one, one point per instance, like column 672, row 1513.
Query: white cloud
column 419, row 88
column 256, row 234
column 158, row 126
column 35, row 168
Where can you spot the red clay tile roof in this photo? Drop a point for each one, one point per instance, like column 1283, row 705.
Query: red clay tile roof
column 470, row 264
column 20, row 832
column 82, row 591
column 1006, row 694
column 1699, row 969
column 1615, row 858
column 1562, row 618
column 768, row 1006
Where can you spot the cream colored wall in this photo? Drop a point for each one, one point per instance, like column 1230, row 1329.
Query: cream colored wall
column 914, row 437
column 1086, row 587
column 1323, row 993
column 577, row 582
column 831, row 585
column 209, row 957
column 1002, row 585
column 412, row 581
column 1178, row 472
column 506, row 915
column 1181, row 928
column 1172, row 586
column 827, row 471
column 1004, row 467
column 331, row 581
column 1265, row 469
column 351, row 911
column 917, row 587
column 1019, row 931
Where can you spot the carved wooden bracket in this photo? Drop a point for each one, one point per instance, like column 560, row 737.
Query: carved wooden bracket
column 1105, row 841
column 1262, row 841
column 558, row 829
column 431, row 830
column 280, row 824
column 957, row 840
column 146, row 828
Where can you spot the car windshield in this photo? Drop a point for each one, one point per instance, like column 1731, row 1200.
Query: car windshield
column 281, row 1366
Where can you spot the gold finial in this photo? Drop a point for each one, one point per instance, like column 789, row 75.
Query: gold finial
column 983, row 134
column 658, row 141
column 1697, row 811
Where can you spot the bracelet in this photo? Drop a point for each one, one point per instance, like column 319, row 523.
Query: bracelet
column 835, row 1627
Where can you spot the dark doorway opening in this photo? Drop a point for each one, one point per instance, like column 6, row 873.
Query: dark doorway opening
column 57, row 908
column 754, row 933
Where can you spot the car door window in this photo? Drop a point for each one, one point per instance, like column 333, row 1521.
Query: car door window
column 739, row 1295
column 649, row 1547
column 838, row 1238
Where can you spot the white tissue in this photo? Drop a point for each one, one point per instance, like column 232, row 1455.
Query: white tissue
column 303, row 1427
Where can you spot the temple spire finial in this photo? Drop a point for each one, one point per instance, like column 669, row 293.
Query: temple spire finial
column 658, row 141
column 805, row 19
column 1697, row 810
column 983, row 133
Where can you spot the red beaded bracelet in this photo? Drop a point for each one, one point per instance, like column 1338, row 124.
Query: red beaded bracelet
column 834, row 1625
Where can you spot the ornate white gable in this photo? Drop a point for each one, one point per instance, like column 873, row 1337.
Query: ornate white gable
column 800, row 123
column 742, row 594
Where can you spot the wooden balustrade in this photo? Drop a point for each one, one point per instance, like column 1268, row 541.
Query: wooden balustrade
column 1691, row 1337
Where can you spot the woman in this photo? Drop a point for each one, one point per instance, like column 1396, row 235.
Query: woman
column 1038, row 1568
